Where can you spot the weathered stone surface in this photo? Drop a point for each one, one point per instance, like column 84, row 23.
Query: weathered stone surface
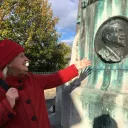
column 100, row 100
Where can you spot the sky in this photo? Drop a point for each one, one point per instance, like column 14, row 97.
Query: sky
column 66, row 11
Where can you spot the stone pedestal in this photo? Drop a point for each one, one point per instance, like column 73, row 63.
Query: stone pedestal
column 99, row 100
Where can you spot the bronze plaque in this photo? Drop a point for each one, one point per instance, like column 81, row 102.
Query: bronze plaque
column 111, row 40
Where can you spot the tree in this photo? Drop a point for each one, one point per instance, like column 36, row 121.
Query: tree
column 31, row 23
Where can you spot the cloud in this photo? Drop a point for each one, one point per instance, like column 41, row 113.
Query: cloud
column 68, row 41
column 66, row 11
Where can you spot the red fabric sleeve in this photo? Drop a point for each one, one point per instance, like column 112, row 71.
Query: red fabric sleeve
column 59, row 78
column 6, row 112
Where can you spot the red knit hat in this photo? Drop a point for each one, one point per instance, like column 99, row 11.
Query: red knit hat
column 8, row 51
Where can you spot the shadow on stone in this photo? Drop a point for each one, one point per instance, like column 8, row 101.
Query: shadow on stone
column 68, row 107
column 62, row 109
column 104, row 121
column 77, row 82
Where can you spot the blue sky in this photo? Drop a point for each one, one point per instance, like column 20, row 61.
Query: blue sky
column 66, row 11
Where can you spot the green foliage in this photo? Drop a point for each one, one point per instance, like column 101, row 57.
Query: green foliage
column 31, row 23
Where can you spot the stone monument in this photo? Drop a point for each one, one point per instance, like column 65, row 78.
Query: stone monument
column 101, row 99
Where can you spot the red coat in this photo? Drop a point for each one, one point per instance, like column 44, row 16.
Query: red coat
column 30, row 109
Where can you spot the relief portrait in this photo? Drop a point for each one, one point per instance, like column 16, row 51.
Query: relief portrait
column 111, row 40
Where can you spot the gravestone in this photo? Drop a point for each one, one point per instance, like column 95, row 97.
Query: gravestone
column 101, row 99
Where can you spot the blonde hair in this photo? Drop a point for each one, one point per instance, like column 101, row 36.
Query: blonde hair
column 5, row 72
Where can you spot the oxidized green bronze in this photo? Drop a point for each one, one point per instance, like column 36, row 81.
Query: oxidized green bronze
column 100, row 100
column 111, row 40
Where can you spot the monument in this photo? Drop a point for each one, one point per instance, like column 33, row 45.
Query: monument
column 99, row 100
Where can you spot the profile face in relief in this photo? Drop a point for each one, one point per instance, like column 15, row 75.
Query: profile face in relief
column 114, row 35
column 111, row 41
